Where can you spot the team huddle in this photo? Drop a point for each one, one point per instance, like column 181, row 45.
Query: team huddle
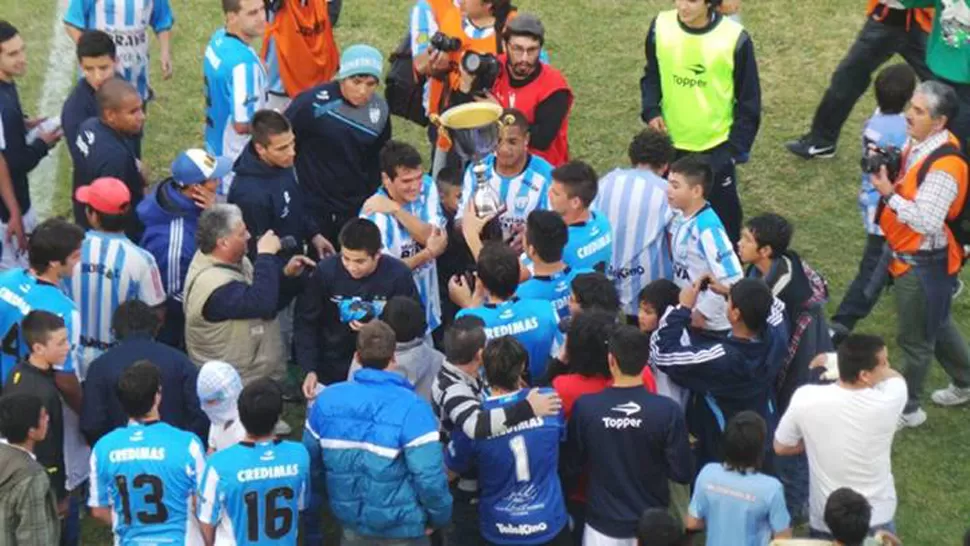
column 495, row 347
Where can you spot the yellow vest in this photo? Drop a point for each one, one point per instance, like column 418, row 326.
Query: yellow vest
column 696, row 81
column 253, row 346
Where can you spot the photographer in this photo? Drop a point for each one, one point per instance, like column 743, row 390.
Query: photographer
column 711, row 107
column 535, row 88
column 925, row 259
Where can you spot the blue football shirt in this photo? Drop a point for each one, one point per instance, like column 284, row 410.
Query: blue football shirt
column 21, row 293
column 554, row 288
column 253, row 493
column 521, row 498
column 739, row 509
column 146, row 473
column 534, row 323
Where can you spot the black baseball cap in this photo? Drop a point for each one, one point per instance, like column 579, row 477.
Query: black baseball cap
column 528, row 24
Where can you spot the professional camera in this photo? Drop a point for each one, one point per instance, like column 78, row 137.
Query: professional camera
column 443, row 42
column 484, row 67
column 891, row 157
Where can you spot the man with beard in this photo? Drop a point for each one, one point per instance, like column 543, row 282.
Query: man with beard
column 535, row 88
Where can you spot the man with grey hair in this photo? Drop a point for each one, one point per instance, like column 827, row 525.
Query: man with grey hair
column 922, row 255
column 231, row 303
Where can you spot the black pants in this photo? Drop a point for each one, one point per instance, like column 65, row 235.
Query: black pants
column 875, row 44
column 855, row 306
column 724, row 197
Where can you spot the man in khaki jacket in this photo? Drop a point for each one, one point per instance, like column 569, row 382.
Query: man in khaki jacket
column 231, row 303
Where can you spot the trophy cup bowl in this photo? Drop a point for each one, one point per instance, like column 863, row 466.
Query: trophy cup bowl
column 473, row 130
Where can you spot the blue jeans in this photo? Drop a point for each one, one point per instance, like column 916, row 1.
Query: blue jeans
column 855, row 306
column 71, row 525
column 889, row 527
column 792, row 471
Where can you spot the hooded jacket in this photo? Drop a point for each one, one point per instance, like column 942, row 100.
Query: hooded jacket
column 170, row 220
column 416, row 360
column 28, row 509
column 270, row 199
column 725, row 375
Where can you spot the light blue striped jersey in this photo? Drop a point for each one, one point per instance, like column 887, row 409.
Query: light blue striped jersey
column 127, row 21
column 699, row 246
column 112, row 271
column 521, row 194
column 534, row 323
column 635, row 202
column 253, row 493
column 882, row 130
column 147, row 473
column 554, row 288
column 235, row 88
column 399, row 243
column 21, row 293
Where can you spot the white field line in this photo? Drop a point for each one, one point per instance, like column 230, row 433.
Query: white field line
column 58, row 80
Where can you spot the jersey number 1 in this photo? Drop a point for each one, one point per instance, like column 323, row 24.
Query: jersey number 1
column 521, row 455
column 272, row 514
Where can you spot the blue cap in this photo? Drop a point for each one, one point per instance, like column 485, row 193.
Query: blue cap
column 361, row 60
column 195, row 166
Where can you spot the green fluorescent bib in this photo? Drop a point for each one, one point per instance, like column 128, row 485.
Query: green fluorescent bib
column 697, row 81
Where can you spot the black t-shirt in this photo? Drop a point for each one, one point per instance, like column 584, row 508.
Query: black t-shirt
column 27, row 379
column 633, row 442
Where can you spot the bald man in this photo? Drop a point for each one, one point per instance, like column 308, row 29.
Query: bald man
column 105, row 146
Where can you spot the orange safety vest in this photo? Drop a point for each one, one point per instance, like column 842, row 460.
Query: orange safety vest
column 306, row 52
column 901, row 238
column 449, row 19
column 921, row 16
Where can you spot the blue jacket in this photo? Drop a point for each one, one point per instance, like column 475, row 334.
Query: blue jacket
column 724, row 375
column 377, row 445
column 101, row 411
column 170, row 221
column 270, row 199
column 20, row 155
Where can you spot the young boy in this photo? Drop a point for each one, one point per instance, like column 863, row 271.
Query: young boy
column 698, row 241
column 456, row 258
column 546, row 235
column 887, row 127
column 847, row 513
column 46, row 335
column 733, row 500
column 653, row 302
column 219, row 386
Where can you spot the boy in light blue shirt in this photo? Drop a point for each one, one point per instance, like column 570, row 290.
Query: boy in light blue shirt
column 733, row 500
column 886, row 128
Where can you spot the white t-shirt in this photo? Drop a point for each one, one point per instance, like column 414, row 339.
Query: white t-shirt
column 848, row 436
column 225, row 435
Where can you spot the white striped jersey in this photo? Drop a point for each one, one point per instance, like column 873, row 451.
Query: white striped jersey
column 521, row 194
column 699, row 246
column 235, row 89
column 146, row 473
column 253, row 493
column 127, row 21
column 399, row 243
column 112, row 271
column 635, row 203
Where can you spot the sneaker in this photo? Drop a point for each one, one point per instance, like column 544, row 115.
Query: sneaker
column 958, row 289
column 912, row 419
column 951, row 396
column 807, row 148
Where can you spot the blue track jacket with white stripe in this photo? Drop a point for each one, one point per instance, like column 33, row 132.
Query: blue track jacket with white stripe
column 725, row 375
column 375, row 444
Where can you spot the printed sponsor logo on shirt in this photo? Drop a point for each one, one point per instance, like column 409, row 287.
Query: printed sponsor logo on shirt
column 375, row 114
column 521, row 529
column 628, row 409
column 596, row 245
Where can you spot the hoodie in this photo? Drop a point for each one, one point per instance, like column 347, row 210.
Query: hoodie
column 725, row 375
column 416, row 360
column 170, row 220
column 28, row 509
column 270, row 199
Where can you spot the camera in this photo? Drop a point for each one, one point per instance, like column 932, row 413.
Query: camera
column 891, row 157
column 484, row 67
column 443, row 42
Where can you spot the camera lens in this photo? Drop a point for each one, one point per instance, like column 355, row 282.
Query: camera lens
column 472, row 62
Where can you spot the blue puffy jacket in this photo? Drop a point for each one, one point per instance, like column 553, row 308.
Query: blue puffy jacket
column 376, row 444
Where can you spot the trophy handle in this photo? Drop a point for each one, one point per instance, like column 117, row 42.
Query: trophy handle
column 444, row 137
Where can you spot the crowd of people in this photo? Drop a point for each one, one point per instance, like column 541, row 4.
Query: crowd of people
column 620, row 360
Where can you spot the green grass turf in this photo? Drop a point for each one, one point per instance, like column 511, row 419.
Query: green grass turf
column 599, row 46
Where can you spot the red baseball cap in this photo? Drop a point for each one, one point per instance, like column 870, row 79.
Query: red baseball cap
column 107, row 195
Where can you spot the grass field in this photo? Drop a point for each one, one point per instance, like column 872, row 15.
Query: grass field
column 599, row 46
